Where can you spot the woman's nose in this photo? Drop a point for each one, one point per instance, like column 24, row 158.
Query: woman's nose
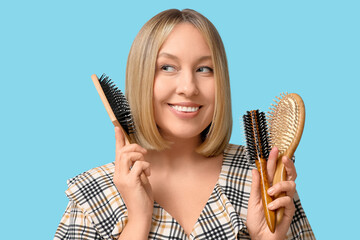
column 187, row 84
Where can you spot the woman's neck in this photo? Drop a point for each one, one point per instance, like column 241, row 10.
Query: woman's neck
column 182, row 153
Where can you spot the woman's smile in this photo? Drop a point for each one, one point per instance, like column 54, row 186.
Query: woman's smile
column 185, row 110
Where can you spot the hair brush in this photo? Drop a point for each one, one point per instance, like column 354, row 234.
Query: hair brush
column 258, row 151
column 117, row 107
column 286, row 121
column 115, row 104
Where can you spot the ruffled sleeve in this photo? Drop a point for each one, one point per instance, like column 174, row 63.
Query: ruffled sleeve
column 75, row 225
column 96, row 209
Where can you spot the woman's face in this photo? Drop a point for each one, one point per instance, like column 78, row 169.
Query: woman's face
column 184, row 85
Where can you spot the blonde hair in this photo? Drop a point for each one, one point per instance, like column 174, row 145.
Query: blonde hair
column 140, row 73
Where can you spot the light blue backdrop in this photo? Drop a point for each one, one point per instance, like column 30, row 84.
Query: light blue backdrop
column 54, row 126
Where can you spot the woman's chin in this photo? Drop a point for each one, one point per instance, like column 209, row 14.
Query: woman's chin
column 181, row 135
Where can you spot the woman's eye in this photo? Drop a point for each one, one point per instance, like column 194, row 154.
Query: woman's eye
column 168, row 68
column 205, row 69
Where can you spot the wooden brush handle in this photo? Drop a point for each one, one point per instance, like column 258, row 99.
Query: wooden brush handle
column 280, row 175
column 104, row 100
column 113, row 118
column 266, row 199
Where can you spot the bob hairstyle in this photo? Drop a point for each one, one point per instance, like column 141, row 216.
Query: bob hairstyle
column 140, row 74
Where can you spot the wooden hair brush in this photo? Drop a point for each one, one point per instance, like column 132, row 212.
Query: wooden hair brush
column 117, row 107
column 115, row 104
column 258, row 151
column 286, row 121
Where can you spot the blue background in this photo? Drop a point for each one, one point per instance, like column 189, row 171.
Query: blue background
column 54, row 126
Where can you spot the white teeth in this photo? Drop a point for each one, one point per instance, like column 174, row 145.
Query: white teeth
column 185, row 109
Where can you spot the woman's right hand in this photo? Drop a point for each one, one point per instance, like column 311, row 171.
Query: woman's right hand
column 131, row 180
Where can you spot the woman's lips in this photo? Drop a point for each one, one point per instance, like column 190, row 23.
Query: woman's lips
column 185, row 110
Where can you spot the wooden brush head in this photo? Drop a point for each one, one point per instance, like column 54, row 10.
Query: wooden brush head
column 115, row 103
column 286, row 121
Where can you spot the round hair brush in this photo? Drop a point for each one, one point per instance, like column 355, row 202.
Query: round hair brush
column 258, row 151
column 286, row 123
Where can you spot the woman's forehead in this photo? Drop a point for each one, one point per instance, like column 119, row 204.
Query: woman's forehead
column 185, row 39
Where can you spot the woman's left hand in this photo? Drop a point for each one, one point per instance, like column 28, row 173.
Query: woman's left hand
column 256, row 222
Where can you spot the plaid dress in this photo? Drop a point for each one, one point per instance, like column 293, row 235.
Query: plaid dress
column 97, row 211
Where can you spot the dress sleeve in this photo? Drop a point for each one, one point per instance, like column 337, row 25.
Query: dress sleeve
column 300, row 227
column 75, row 225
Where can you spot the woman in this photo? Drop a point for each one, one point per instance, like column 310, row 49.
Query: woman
column 182, row 180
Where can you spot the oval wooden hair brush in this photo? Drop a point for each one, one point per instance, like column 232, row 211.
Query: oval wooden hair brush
column 258, row 151
column 286, row 121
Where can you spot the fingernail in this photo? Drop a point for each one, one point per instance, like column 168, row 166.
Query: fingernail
column 270, row 205
column 271, row 191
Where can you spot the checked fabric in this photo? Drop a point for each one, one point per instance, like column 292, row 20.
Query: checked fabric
column 97, row 211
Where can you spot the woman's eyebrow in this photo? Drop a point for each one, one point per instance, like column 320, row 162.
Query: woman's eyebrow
column 168, row 55
column 204, row 58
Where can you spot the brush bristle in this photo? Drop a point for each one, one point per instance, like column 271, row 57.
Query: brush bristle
column 256, row 135
column 283, row 120
column 250, row 142
column 118, row 104
column 264, row 134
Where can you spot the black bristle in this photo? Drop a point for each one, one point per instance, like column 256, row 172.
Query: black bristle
column 118, row 104
column 264, row 134
column 250, row 144
column 256, row 134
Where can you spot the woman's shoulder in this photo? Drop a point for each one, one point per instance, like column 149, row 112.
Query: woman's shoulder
column 234, row 149
column 235, row 159
column 96, row 183
column 95, row 194
column 101, row 173
column 236, row 156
